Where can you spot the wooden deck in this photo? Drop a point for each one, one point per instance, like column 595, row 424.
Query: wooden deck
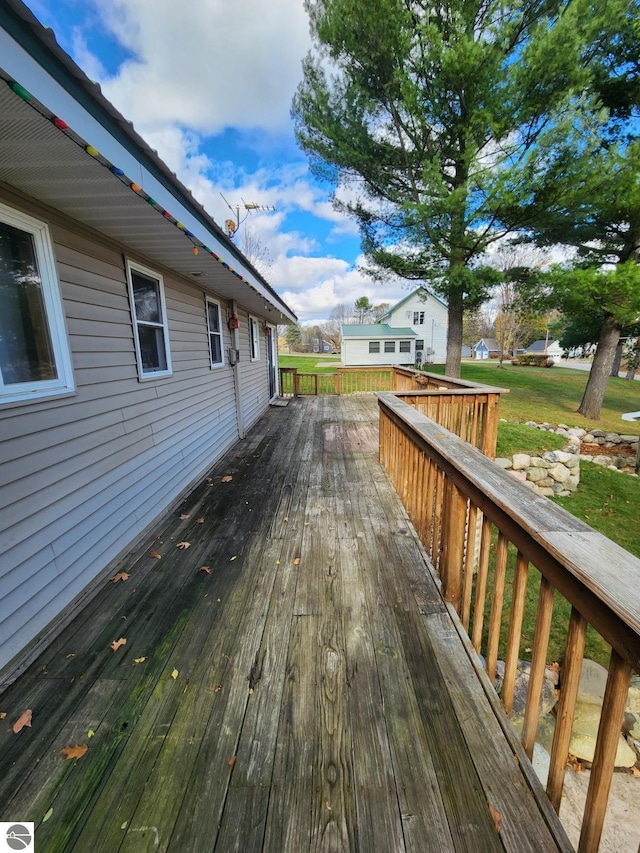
column 308, row 692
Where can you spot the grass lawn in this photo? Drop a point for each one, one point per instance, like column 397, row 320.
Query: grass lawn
column 554, row 394
column 310, row 362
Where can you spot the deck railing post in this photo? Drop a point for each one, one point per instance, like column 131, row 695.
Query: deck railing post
column 615, row 697
column 453, row 535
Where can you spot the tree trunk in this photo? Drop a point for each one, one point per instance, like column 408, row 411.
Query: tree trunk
column 600, row 370
column 617, row 360
column 454, row 336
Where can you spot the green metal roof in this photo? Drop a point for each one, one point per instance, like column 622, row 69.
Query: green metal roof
column 375, row 330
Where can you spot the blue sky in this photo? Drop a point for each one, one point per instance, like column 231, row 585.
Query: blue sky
column 209, row 84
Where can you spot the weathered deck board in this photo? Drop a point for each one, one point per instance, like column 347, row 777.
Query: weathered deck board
column 323, row 699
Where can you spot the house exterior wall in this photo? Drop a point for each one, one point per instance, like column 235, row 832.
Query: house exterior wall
column 82, row 476
column 433, row 331
column 355, row 353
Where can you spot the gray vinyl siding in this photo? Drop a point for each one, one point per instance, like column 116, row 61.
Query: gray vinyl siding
column 254, row 378
column 82, row 476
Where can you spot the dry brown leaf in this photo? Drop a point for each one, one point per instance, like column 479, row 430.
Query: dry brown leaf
column 227, row 479
column 208, row 480
column 24, row 720
column 286, row 519
column 237, row 456
column 70, row 655
column 635, row 771
column 3, row 715
column 231, row 761
column 117, row 643
column 74, row 751
column 327, row 805
column 183, row 545
column 205, row 569
column 140, row 660
column 184, row 516
column 121, row 576
column 575, row 764
column 217, row 688
column 497, row 817
column 296, row 562
column 200, row 520
column 155, row 555
column 175, row 674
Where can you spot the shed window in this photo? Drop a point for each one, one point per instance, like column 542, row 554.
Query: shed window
column 418, row 318
column 146, row 292
column 419, row 344
column 34, row 352
column 405, row 346
column 374, row 346
column 214, row 327
column 389, row 346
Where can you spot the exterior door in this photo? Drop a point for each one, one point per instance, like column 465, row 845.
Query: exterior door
column 272, row 342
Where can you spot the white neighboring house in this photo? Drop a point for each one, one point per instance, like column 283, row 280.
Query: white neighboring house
column 371, row 344
column 413, row 331
column 551, row 348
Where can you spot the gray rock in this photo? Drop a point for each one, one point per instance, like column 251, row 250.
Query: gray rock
column 573, row 462
column 574, row 440
column 534, row 475
column 577, row 432
column 545, row 491
column 571, row 485
column 560, row 431
column 612, row 437
column 503, row 462
column 629, row 439
column 585, row 732
column 560, row 473
column 519, row 475
column 557, row 456
column 521, row 461
column 598, row 433
column 593, row 681
column 588, row 438
column 539, row 462
column 600, row 460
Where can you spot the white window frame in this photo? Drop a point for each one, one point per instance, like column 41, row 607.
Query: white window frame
column 210, row 301
column 372, row 347
column 389, row 346
column 420, row 345
column 405, row 347
column 54, row 314
column 254, row 338
column 145, row 376
column 418, row 318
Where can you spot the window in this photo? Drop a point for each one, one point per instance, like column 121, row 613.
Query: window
column 374, row 346
column 214, row 327
column 254, row 339
column 405, row 346
column 418, row 318
column 419, row 345
column 34, row 352
column 146, row 292
column 389, row 346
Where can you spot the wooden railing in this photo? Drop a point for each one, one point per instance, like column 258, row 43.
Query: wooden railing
column 465, row 408
column 475, row 519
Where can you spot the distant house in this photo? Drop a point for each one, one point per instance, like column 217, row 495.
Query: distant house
column 467, row 352
column 137, row 343
column 376, row 343
column 413, row 331
column 487, row 348
column 319, row 345
column 548, row 347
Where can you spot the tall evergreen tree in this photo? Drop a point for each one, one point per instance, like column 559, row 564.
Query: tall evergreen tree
column 421, row 110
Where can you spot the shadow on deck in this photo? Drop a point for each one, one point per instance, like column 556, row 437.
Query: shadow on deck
column 290, row 681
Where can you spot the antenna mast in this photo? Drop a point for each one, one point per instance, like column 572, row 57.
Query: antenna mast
column 231, row 225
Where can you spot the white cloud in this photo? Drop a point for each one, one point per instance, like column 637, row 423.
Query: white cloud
column 207, row 64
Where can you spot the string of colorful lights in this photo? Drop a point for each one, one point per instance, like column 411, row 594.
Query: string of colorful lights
column 62, row 126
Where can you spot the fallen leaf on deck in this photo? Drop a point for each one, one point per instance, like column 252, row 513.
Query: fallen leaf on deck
column 233, row 558
column 91, row 733
column 70, row 655
column 184, row 517
column 231, row 761
column 286, row 518
column 2, row 715
column 327, row 806
column 635, row 771
column 227, row 479
column 183, row 545
column 117, row 643
column 199, row 520
column 237, row 456
column 124, row 825
column 140, row 660
column 155, row 555
column 48, row 815
column 175, row 674
column 23, row 720
column 121, row 576
column 205, row 569
column 497, row 817
column 575, row 764
column 319, row 506
column 74, row 751
column 208, row 479
column 296, row 562
column 217, row 688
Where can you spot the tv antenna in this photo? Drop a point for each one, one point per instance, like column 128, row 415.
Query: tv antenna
column 231, row 225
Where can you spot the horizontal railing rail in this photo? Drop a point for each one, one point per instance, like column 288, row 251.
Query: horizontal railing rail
column 477, row 522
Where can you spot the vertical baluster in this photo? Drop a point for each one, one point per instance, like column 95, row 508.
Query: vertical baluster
column 615, row 697
column 469, row 566
column 538, row 662
column 566, row 706
column 515, row 630
column 495, row 621
column 437, row 518
column 481, row 584
column 454, row 524
column 476, row 421
column 428, row 509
